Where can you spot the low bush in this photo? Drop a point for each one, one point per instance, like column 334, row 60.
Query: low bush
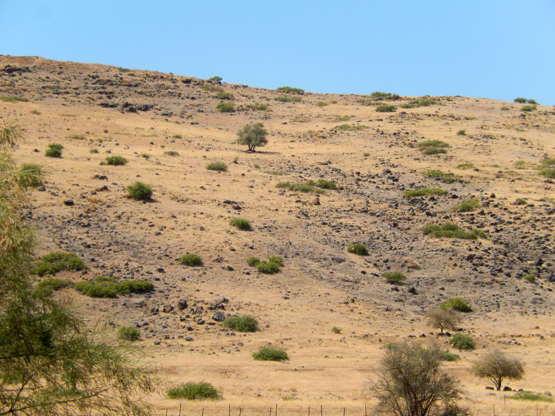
column 467, row 205
column 53, row 263
column 290, row 90
column 190, row 259
column 253, row 261
column 450, row 230
column 276, row 259
column 528, row 108
column 241, row 224
column 358, row 248
column 12, row 99
column 520, row 100
column 548, row 167
column 288, row 99
column 323, row 184
column 139, row 191
column 255, row 107
column 420, row 102
column 386, row 108
column 54, row 150
column 241, row 323
column 171, row 153
column 116, row 160
column 424, row 192
column 217, row 166
column 29, row 175
column 350, row 127
column 528, row 395
column 270, row 354
column 225, row 107
column 193, row 391
column 466, row 165
column 445, row 177
column 530, row 277
column 336, row 330
column 462, row 342
column 461, row 133
column 457, row 304
column 433, row 147
column 268, row 267
column 384, row 96
column 48, row 286
column 299, row 187
column 520, row 201
column 129, row 333
column 449, row 356
column 223, row 95
column 109, row 287
column 394, row 278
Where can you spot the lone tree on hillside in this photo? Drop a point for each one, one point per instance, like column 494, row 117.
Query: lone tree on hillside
column 496, row 366
column 443, row 319
column 411, row 382
column 252, row 135
column 50, row 364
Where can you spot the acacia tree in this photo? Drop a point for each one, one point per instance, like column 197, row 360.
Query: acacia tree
column 443, row 319
column 252, row 135
column 411, row 382
column 496, row 366
column 49, row 363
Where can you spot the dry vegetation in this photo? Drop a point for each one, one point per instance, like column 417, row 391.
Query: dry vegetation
column 175, row 134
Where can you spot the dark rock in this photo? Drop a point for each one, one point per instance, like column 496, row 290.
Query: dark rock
column 218, row 316
column 182, row 304
column 69, row 202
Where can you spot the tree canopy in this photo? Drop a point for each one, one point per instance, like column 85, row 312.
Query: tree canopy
column 252, row 135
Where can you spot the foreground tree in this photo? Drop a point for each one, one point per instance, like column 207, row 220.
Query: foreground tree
column 411, row 382
column 496, row 366
column 252, row 135
column 49, row 363
column 443, row 319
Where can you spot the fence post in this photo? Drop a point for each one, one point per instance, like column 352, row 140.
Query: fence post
column 270, row 411
column 202, row 414
column 343, row 411
column 308, row 410
column 276, row 410
column 179, row 409
column 229, row 409
column 364, row 409
column 321, row 410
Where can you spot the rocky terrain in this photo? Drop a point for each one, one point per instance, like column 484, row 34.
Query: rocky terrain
column 169, row 128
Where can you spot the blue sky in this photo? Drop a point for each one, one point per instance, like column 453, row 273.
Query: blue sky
column 478, row 48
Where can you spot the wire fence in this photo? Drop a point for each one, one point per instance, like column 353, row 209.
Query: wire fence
column 186, row 409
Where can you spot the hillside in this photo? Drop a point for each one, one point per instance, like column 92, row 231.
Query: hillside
column 169, row 129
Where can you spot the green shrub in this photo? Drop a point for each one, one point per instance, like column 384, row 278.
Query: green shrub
column 461, row 133
column 449, row 356
column 215, row 79
column 222, row 95
column 520, row 100
column 193, row 391
column 288, row 99
column 255, row 107
column 394, row 278
column 116, row 160
column 450, row 230
column 276, row 259
column 225, row 107
column 267, row 267
column 457, row 304
column 211, row 88
column 241, row 323
column 241, row 223
column 520, row 201
column 386, row 108
column 385, row 96
column 109, row 287
column 29, row 175
column 139, row 191
column 51, row 284
column 54, row 150
column 323, row 183
column 336, row 330
column 217, row 166
column 350, row 127
column 462, row 342
column 12, row 99
column 358, row 248
column 466, row 165
column 530, row 277
column 298, row 187
column 548, row 167
column 171, row 153
column 528, row 108
column 93, row 150
column 528, row 395
column 253, row 261
column 433, row 147
column 290, row 90
column 53, row 263
column 445, row 177
column 129, row 333
column 424, row 192
column 270, row 354
column 420, row 102
column 190, row 260
column 467, row 205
